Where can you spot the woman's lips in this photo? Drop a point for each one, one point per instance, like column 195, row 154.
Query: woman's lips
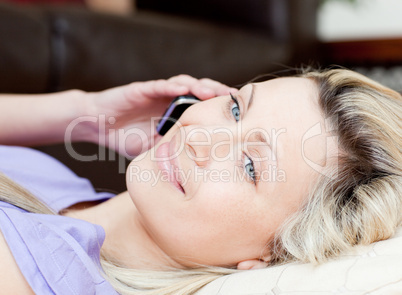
column 167, row 164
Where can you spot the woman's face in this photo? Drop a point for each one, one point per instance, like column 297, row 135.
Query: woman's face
column 218, row 186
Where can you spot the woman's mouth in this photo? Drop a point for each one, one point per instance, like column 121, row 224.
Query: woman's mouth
column 167, row 164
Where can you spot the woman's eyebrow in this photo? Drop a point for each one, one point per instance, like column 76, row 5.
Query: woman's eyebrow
column 261, row 140
column 250, row 101
column 260, row 137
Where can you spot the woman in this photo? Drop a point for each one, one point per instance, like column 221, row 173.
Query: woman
column 300, row 168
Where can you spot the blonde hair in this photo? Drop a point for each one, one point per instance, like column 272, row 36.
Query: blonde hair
column 359, row 201
column 359, row 204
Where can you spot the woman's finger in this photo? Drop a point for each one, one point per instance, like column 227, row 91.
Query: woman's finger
column 184, row 79
column 156, row 89
column 207, row 88
column 203, row 88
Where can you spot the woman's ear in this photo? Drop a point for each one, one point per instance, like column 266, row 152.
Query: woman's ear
column 252, row 264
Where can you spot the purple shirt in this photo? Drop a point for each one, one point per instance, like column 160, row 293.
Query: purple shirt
column 56, row 254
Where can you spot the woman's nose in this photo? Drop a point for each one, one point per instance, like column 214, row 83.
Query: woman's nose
column 206, row 144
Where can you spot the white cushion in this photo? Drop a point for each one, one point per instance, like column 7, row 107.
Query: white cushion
column 375, row 269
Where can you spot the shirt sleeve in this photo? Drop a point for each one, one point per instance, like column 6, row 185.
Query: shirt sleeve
column 47, row 178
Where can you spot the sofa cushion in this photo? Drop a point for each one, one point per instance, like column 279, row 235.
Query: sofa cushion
column 24, row 50
column 374, row 269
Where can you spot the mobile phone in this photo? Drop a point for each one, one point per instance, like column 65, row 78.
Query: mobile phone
column 174, row 111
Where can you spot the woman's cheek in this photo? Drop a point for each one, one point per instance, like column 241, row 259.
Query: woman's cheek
column 216, row 200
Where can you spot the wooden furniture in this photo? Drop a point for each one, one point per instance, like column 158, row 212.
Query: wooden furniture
column 382, row 52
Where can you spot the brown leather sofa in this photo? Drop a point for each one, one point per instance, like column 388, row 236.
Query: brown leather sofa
column 52, row 48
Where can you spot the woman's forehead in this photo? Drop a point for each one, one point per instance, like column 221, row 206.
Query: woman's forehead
column 287, row 85
column 288, row 110
column 283, row 103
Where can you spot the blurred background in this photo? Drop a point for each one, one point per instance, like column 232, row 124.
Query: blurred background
column 365, row 35
column 54, row 45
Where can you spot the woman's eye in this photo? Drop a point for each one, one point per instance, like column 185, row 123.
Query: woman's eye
column 249, row 168
column 235, row 111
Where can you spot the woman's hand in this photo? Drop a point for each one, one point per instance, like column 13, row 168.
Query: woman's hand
column 127, row 115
